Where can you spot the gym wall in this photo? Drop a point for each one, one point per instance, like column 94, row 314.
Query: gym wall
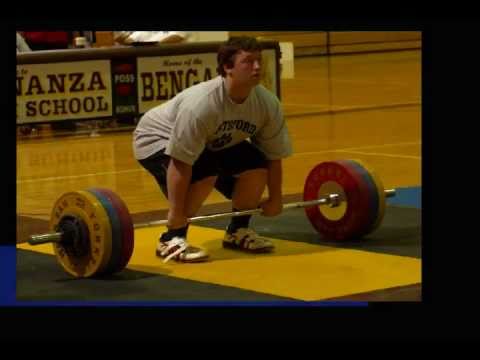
column 338, row 42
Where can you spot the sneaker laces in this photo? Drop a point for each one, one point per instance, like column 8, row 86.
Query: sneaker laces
column 251, row 234
column 176, row 241
column 253, row 237
column 245, row 233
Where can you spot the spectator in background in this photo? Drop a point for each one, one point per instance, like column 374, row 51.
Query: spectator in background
column 49, row 40
column 22, row 45
column 139, row 37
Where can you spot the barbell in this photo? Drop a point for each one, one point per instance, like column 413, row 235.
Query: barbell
column 93, row 234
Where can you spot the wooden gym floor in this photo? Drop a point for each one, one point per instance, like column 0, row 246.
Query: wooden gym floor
column 365, row 106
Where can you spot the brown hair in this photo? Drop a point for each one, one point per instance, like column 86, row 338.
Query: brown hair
column 228, row 50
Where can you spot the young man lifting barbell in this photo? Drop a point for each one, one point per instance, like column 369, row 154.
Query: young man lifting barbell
column 226, row 133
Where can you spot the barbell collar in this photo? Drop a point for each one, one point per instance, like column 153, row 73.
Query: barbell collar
column 390, row 193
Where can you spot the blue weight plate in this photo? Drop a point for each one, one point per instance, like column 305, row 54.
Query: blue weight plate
column 126, row 225
column 116, row 256
column 372, row 193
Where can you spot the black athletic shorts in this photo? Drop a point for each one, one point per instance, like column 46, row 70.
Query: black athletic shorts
column 223, row 163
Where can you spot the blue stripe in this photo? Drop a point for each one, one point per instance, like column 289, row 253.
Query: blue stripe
column 7, row 269
column 196, row 303
column 409, row 196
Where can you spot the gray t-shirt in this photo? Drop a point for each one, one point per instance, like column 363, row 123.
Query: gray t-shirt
column 203, row 116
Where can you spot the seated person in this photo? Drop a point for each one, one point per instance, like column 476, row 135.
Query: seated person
column 138, row 37
column 48, row 40
column 22, row 45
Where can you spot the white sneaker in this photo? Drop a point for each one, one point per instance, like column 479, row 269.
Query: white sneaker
column 246, row 239
column 178, row 249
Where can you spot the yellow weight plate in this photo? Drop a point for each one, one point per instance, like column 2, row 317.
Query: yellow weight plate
column 87, row 207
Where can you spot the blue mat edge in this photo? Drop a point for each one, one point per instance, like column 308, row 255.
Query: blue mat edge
column 407, row 196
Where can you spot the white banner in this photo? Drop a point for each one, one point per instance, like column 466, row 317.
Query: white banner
column 63, row 91
column 83, row 89
column 161, row 78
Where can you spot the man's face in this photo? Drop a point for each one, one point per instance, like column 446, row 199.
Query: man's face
column 246, row 68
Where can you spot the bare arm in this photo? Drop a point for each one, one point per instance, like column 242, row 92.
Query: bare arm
column 178, row 180
column 273, row 205
column 274, row 181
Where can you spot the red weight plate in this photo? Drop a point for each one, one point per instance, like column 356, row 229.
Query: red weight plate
column 127, row 227
column 357, row 213
column 117, row 232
